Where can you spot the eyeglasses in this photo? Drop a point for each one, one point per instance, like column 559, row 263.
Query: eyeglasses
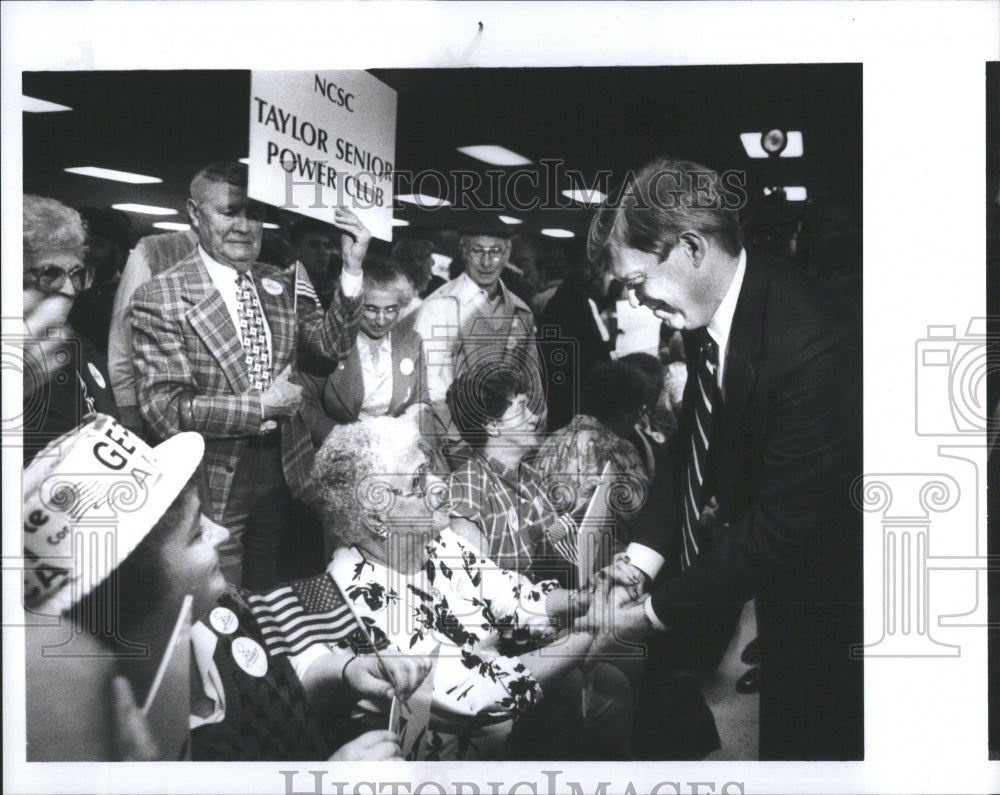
column 432, row 490
column 489, row 253
column 389, row 312
column 51, row 278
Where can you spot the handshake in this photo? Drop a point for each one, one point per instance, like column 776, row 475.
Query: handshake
column 615, row 609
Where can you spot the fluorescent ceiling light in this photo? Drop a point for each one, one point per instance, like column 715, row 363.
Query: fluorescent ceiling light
column 793, row 193
column 144, row 209
column 751, row 143
column 245, row 161
column 173, row 226
column 110, row 173
column 495, row 155
column 510, row 220
column 400, row 222
column 794, row 146
column 423, row 200
column 269, row 225
column 441, row 262
column 585, row 196
column 33, row 105
column 556, row 232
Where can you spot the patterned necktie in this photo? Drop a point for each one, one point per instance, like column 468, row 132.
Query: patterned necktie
column 697, row 452
column 257, row 353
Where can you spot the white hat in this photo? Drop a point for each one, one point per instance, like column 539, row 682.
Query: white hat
column 90, row 497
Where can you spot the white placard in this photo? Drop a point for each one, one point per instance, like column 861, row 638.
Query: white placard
column 320, row 140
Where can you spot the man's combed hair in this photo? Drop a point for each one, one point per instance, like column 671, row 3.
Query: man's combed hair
column 656, row 205
column 50, row 225
column 225, row 172
column 482, row 395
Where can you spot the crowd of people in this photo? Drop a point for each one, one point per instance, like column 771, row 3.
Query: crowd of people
column 454, row 486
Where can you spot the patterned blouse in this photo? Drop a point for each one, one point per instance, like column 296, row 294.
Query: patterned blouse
column 467, row 604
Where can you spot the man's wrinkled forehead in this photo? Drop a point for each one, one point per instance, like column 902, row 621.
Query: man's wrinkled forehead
column 484, row 241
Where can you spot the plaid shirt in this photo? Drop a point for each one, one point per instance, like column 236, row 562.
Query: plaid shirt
column 184, row 343
column 509, row 506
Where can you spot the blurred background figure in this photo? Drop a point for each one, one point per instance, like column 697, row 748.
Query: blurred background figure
column 314, row 246
column 107, row 248
column 65, row 376
column 573, row 337
column 414, row 257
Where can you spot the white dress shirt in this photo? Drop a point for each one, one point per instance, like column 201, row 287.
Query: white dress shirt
column 647, row 560
column 224, row 279
column 376, row 367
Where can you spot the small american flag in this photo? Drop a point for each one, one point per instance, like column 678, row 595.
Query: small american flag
column 302, row 613
column 304, row 286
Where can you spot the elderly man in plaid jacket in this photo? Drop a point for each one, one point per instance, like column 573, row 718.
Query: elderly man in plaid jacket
column 215, row 338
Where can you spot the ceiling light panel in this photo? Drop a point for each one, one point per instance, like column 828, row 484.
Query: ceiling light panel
column 34, row 105
column 144, row 209
column 113, row 175
column 423, row 200
column 495, row 155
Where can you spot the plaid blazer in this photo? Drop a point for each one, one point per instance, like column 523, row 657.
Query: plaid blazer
column 185, row 345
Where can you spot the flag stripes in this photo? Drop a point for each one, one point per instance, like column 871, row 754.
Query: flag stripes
column 298, row 615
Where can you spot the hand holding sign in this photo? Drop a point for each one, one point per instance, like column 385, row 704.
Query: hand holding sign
column 354, row 241
column 366, row 676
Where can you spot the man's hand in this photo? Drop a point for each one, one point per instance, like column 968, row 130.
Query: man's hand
column 365, row 676
column 282, row 398
column 376, row 746
column 614, row 618
column 354, row 241
column 625, row 574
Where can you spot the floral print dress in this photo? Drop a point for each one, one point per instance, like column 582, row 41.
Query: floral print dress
column 465, row 603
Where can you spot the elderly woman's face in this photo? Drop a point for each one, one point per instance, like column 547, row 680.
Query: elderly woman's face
column 410, row 502
column 52, row 280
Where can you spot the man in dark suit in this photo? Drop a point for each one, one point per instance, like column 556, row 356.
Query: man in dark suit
column 769, row 441
column 384, row 374
column 214, row 339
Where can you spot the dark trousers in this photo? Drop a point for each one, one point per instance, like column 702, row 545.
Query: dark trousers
column 257, row 516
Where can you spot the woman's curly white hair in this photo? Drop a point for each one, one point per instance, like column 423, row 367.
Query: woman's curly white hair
column 346, row 472
column 50, row 225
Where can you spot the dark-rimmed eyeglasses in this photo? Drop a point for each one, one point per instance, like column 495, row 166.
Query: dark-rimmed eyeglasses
column 51, row 278
column 388, row 312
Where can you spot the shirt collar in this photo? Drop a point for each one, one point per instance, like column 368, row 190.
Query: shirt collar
column 215, row 268
column 203, row 642
column 468, row 289
column 722, row 321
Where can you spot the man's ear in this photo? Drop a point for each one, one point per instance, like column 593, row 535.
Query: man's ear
column 192, row 211
column 696, row 246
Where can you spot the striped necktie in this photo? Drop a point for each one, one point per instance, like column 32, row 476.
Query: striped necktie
column 256, row 351
column 697, row 451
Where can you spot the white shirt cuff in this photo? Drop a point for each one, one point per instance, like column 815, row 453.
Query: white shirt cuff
column 351, row 283
column 301, row 662
column 647, row 605
column 647, row 560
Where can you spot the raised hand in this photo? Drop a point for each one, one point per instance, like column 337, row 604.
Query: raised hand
column 354, row 241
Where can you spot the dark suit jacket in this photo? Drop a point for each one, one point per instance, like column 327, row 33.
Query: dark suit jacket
column 185, row 344
column 569, row 345
column 336, row 398
column 785, row 449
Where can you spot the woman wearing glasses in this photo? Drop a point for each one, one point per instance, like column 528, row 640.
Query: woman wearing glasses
column 417, row 585
column 385, row 373
column 65, row 377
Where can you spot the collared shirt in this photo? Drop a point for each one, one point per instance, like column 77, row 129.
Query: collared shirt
column 376, row 368
column 722, row 321
column 648, row 560
column 509, row 507
column 224, row 279
column 459, row 323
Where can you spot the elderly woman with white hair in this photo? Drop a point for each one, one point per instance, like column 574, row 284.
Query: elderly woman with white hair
column 416, row 584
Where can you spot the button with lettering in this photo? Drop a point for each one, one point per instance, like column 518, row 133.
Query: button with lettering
column 272, row 286
column 249, row 656
column 223, row 620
